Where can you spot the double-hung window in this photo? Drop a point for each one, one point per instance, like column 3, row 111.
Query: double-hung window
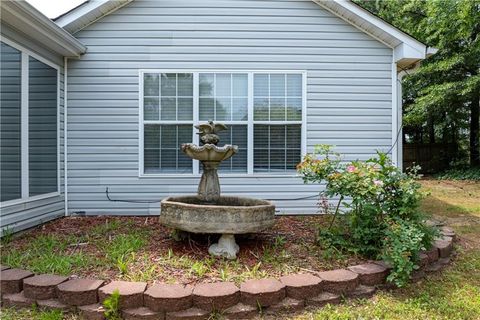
column 29, row 125
column 263, row 112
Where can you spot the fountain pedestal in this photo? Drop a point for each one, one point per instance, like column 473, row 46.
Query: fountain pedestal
column 209, row 186
column 226, row 247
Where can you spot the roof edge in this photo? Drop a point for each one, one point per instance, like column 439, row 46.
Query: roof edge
column 97, row 9
column 27, row 19
column 404, row 45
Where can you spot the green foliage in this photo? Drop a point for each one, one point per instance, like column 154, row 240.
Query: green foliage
column 381, row 216
column 7, row 236
column 124, row 244
column 51, row 315
column 46, row 254
column 460, row 174
column 111, row 305
column 440, row 96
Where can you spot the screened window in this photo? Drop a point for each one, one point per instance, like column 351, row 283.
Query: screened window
column 10, row 117
column 263, row 112
column 29, row 125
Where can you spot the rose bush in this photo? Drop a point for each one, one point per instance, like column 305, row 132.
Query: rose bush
column 377, row 212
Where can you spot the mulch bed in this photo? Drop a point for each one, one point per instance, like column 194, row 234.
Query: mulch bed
column 290, row 246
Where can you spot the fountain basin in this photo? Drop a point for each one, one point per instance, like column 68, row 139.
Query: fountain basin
column 227, row 215
column 209, row 152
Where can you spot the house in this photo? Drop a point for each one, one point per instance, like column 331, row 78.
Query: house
column 96, row 103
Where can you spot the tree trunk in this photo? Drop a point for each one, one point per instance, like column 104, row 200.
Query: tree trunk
column 474, row 130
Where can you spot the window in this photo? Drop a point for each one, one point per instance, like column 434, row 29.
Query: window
column 10, row 153
column 168, row 115
column 42, row 128
column 29, row 125
column 277, row 119
column 263, row 111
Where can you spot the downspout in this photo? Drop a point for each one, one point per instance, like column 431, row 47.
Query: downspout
column 65, row 131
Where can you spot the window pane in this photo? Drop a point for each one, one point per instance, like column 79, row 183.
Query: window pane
column 240, row 85
column 223, row 96
column 169, row 84
column 223, row 84
column 236, row 135
column 42, row 119
column 206, row 106
column 168, row 109
column 260, row 85
column 223, row 109
column 276, row 102
column 277, row 148
column 185, row 108
column 294, row 109
column 294, row 85
column 162, row 148
column 152, row 146
column 150, row 84
column 260, row 109
column 277, row 109
column 239, row 109
column 277, row 85
column 206, row 84
column 150, row 108
column 185, row 84
column 10, row 137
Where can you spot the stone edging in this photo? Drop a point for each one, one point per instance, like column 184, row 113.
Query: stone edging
column 22, row 289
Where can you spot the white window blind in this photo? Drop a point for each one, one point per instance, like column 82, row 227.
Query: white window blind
column 263, row 111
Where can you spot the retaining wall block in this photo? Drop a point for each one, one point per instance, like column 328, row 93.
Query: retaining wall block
column 300, row 286
column 340, row 281
column 42, row 287
column 370, row 274
column 79, row 292
column 216, row 296
column 11, row 280
column 131, row 293
column 168, row 297
column 263, row 292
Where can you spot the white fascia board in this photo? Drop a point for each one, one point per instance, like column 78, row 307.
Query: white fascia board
column 25, row 18
column 404, row 45
column 88, row 13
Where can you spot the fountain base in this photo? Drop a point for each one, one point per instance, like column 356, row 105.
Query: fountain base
column 227, row 215
column 226, row 247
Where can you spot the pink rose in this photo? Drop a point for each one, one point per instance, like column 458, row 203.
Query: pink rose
column 378, row 183
column 351, row 169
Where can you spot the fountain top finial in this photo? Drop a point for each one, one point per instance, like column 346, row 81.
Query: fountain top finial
column 208, row 132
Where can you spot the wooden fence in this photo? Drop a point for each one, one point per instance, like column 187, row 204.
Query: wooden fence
column 431, row 157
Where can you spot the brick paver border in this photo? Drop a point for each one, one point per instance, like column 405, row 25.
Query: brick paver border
column 21, row 289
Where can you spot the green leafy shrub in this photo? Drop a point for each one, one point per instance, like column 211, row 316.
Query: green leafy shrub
column 379, row 205
column 460, row 174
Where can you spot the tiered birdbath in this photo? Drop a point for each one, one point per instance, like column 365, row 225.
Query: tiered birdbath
column 209, row 212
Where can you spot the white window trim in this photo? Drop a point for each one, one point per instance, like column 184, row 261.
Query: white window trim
column 25, row 54
column 195, row 167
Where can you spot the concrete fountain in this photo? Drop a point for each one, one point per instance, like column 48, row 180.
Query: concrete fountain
column 208, row 212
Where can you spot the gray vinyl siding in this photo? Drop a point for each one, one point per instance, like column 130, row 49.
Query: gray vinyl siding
column 349, row 91
column 32, row 213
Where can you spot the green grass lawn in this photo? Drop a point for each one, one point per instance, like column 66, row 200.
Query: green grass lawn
column 451, row 294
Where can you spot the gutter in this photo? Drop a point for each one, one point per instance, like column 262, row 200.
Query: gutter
column 25, row 18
